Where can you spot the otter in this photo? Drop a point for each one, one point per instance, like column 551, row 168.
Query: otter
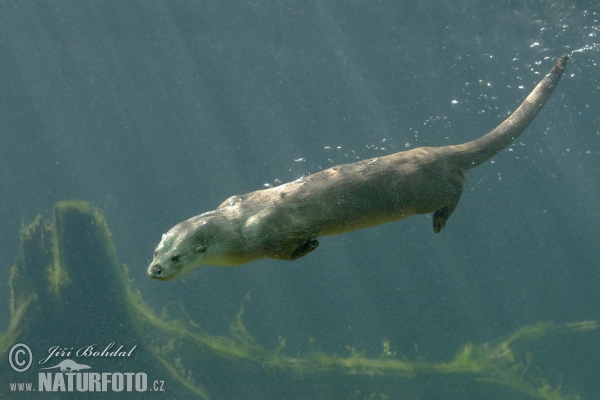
column 284, row 222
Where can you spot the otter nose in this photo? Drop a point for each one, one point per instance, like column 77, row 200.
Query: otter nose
column 156, row 271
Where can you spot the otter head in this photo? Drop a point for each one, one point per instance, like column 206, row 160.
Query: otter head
column 183, row 248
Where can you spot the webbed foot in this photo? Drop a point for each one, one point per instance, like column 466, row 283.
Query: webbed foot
column 304, row 249
column 440, row 217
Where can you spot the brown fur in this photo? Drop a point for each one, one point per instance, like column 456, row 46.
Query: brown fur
column 283, row 222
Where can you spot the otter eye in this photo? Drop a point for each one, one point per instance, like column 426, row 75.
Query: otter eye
column 175, row 259
column 201, row 249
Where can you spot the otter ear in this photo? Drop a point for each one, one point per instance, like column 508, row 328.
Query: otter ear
column 201, row 249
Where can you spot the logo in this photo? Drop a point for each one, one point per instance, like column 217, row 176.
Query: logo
column 68, row 375
column 69, row 366
column 70, row 379
column 20, row 357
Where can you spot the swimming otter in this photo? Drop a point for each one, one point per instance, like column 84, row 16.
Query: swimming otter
column 283, row 222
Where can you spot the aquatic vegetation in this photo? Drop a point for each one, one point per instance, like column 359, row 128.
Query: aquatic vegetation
column 491, row 362
column 44, row 307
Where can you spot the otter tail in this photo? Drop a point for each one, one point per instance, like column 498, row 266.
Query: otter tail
column 473, row 153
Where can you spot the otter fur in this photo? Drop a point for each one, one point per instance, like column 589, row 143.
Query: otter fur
column 284, row 222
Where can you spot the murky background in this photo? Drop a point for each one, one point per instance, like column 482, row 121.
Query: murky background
column 158, row 111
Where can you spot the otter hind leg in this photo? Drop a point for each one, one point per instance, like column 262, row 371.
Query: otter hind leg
column 440, row 217
column 453, row 192
column 304, row 249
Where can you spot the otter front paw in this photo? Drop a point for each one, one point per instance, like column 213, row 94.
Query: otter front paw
column 304, row 249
